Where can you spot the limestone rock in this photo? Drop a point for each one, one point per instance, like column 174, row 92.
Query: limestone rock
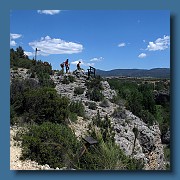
column 146, row 145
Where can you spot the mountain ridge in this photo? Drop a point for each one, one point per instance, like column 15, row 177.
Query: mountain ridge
column 154, row 72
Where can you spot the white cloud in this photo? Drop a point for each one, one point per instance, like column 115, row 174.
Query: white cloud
column 89, row 64
column 122, row 44
column 13, row 37
column 48, row 45
column 83, row 63
column 12, row 43
column 142, row 55
column 28, row 53
column 144, row 40
column 76, row 62
column 160, row 44
column 49, row 12
column 97, row 59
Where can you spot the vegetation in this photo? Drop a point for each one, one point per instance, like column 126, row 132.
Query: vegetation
column 51, row 143
column 77, row 108
column 36, row 68
column 155, row 73
column 68, row 79
column 104, row 103
column 92, row 105
column 78, row 90
column 141, row 100
column 94, row 89
column 56, row 145
column 106, row 154
column 147, row 98
column 48, row 138
column 37, row 104
column 106, row 129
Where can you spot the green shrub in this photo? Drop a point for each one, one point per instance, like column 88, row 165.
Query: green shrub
column 73, row 116
column 59, row 73
column 71, row 79
column 94, row 83
column 65, row 80
column 33, row 75
column 44, row 104
column 68, row 79
column 78, row 90
column 45, row 81
column 104, row 103
column 51, row 144
column 94, row 95
column 92, row 105
column 119, row 113
column 147, row 117
column 106, row 155
column 106, row 129
column 167, row 153
column 77, row 107
column 94, row 87
column 15, row 68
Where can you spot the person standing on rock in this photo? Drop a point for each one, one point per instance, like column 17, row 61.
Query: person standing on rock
column 78, row 66
column 62, row 66
column 67, row 65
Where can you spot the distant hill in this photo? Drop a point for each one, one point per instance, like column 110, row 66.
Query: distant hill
column 155, row 73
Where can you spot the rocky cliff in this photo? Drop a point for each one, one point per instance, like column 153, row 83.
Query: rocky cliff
column 133, row 136
column 145, row 144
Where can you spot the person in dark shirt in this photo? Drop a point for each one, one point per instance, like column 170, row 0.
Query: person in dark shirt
column 78, row 65
column 67, row 65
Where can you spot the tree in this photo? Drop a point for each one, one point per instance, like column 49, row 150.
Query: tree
column 43, row 104
column 20, row 52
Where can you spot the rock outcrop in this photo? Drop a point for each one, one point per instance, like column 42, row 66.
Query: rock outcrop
column 144, row 143
column 147, row 145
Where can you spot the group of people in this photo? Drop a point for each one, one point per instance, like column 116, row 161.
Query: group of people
column 66, row 64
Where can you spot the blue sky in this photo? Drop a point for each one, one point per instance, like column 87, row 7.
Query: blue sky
column 104, row 39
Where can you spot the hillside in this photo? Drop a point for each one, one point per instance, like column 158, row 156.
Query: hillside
column 154, row 73
column 146, row 147
column 54, row 113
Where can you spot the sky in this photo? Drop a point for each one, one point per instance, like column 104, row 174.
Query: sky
column 104, row 39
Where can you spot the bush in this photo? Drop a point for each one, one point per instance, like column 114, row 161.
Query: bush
column 71, row 79
column 167, row 153
column 94, row 83
column 106, row 155
column 119, row 113
column 95, row 95
column 17, row 90
column 78, row 90
column 59, row 73
column 65, row 80
column 51, row 144
column 68, row 79
column 44, row 104
column 45, row 81
column 147, row 117
column 73, row 116
column 106, row 129
column 77, row 107
column 33, row 75
column 94, row 87
column 104, row 103
column 92, row 105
